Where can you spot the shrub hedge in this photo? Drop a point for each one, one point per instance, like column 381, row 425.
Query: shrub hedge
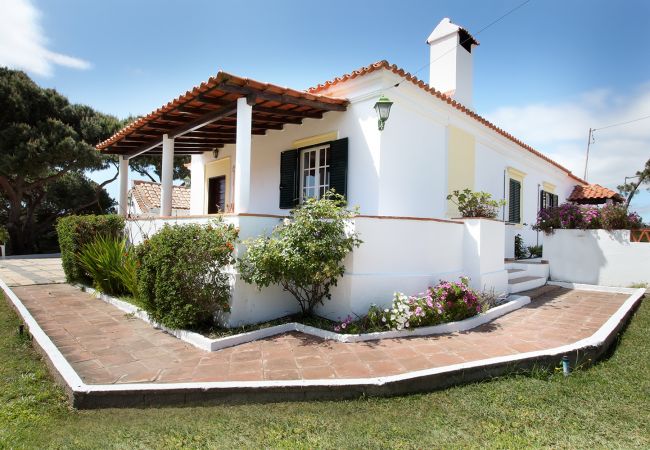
column 180, row 273
column 75, row 232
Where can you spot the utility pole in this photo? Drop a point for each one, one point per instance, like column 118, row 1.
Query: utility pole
column 587, row 158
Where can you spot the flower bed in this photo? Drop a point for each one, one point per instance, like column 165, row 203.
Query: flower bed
column 443, row 303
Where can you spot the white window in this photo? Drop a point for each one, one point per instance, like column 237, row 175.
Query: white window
column 315, row 172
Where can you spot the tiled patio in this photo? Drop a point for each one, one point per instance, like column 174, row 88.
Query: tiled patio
column 37, row 269
column 105, row 346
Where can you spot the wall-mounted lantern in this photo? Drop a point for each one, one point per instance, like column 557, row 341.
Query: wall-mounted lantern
column 383, row 110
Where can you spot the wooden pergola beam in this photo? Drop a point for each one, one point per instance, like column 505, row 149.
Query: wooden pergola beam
column 280, row 98
column 188, row 127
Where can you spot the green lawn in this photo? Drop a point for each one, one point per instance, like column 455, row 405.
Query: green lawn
column 605, row 406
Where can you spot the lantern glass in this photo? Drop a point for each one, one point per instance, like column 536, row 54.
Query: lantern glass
column 382, row 107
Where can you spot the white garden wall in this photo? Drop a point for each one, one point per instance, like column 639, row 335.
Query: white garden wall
column 599, row 257
column 397, row 254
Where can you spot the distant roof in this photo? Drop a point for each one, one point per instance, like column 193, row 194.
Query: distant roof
column 147, row 195
column 593, row 193
column 445, row 98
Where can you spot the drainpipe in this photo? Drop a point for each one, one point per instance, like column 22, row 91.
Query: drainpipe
column 538, row 206
column 503, row 208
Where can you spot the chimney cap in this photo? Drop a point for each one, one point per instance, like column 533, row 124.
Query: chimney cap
column 447, row 27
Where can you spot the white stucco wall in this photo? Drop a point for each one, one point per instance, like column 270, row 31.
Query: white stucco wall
column 397, row 255
column 401, row 171
column 597, row 257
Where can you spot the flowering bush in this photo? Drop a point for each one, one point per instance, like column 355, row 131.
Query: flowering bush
column 445, row 302
column 304, row 254
column 616, row 217
column 572, row 216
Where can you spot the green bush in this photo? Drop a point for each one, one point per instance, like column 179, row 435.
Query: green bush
column 110, row 264
column 4, row 235
column 74, row 232
column 180, row 273
column 475, row 204
column 304, row 254
column 535, row 251
column 520, row 248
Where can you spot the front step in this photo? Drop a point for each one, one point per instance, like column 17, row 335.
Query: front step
column 514, row 273
column 525, row 283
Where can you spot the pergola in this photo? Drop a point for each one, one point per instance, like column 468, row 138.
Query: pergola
column 226, row 109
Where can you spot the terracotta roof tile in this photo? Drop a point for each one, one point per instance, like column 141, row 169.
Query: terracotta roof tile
column 147, row 195
column 443, row 97
column 593, row 192
column 212, row 85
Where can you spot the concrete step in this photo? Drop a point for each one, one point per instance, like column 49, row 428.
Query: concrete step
column 514, row 273
column 525, row 283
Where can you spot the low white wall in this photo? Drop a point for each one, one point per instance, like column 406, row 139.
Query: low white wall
column 405, row 255
column 599, row 257
column 397, row 255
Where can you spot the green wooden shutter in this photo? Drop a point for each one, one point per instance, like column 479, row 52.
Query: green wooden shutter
column 339, row 166
column 289, row 180
column 554, row 200
column 514, row 204
column 543, row 200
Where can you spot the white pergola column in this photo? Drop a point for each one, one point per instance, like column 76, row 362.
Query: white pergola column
column 243, row 156
column 123, row 207
column 167, row 176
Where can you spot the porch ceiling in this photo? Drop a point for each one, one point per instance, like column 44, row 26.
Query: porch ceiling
column 204, row 118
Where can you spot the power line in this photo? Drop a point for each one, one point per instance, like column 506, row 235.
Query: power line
column 467, row 39
column 622, row 123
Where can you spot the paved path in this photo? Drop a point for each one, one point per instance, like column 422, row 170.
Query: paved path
column 105, row 346
column 37, row 269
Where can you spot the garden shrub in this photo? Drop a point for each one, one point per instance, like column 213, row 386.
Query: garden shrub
column 4, row 235
column 587, row 217
column 74, row 232
column 181, row 278
column 475, row 204
column 110, row 264
column 535, row 251
column 616, row 217
column 305, row 253
column 520, row 248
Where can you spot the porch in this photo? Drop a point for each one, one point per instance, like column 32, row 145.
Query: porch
column 226, row 110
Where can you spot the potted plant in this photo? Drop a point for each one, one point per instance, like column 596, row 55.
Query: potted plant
column 475, row 204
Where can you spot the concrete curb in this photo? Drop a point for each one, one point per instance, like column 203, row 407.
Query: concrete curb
column 85, row 396
column 207, row 344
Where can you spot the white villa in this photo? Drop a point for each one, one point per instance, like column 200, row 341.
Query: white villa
column 259, row 149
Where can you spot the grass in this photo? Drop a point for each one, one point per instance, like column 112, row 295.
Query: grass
column 607, row 405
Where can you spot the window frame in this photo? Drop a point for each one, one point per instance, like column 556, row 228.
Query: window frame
column 327, row 166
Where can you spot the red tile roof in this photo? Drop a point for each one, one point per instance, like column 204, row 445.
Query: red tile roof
column 218, row 85
column 593, row 192
column 147, row 195
column 445, row 98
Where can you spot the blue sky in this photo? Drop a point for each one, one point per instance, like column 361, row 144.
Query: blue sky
column 547, row 72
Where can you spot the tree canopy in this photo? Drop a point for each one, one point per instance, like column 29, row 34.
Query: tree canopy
column 47, row 145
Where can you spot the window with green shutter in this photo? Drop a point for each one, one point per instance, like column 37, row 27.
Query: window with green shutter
column 547, row 200
column 311, row 171
column 514, row 202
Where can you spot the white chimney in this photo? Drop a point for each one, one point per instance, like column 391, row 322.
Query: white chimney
column 450, row 61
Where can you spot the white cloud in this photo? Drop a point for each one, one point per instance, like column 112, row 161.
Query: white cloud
column 23, row 44
column 560, row 131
